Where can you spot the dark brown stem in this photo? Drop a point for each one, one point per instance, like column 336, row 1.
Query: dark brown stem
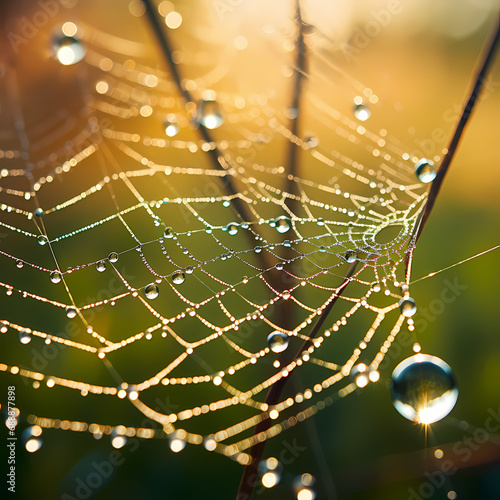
column 295, row 107
column 213, row 154
column 250, row 471
column 489, row 53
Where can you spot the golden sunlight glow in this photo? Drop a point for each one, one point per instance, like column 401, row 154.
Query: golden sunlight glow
column 173, row 20
column 33, row 444
column 69, row 29
column 270, row 479
column 177, row 445
column 305, row 494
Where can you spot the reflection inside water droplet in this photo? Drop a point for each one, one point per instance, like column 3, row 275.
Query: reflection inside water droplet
column 423, row 389
column 362, row 112
column 425, row 171
column 408, row 307
column 178, row 277
column 151, row 291
column 209, row 114
column 278, row 341
column 68, row 50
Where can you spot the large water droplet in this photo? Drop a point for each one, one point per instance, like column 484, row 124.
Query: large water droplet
column 171, row 128
column 362, row 112
column 151, row 291
column 168, row 233
column 42, row 240
column 350, row 256
column 408, row 307
column 69, row 50
column 25, row 336
column 178, row 277
column 425, row 171
column 19, row 264
column 101, row 266
column 232, row 228
column 38, row 212
column 423, row 389
column 209, row 114
column 55, row 277
column 71, row 312
column 278, row 341
column 113, row 257
column 282, row 224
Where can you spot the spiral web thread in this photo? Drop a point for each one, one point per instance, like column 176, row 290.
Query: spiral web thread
column 224, row 283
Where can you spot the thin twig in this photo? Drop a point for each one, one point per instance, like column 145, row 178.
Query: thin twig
column 489, row 53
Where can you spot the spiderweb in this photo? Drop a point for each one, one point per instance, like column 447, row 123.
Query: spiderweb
column 154, row 263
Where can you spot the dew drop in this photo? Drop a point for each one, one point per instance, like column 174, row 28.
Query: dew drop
column 424, row 389
column 226, row 203
column 151, row 291
column 232, row 228
column 408, row 307
column 42, row 240
column 362, row 112
column 277, row 341
column 69, row 50
column 25, row 336
column 71, row 312
column 55, row 277
column 189, row 269
column 360, row 375
column 425, row 171
column 19, row 264
column 171, row 128
column 270, row 471
column 209, row 114
column 312, row 141
column 168, row 233
column 279, row 266
column 210, row 443
column 113, row 257
column 350, row 256
column 282, row 224
column 304, row 487
column 178, row 277
column 38, row 212
column 101, row 266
